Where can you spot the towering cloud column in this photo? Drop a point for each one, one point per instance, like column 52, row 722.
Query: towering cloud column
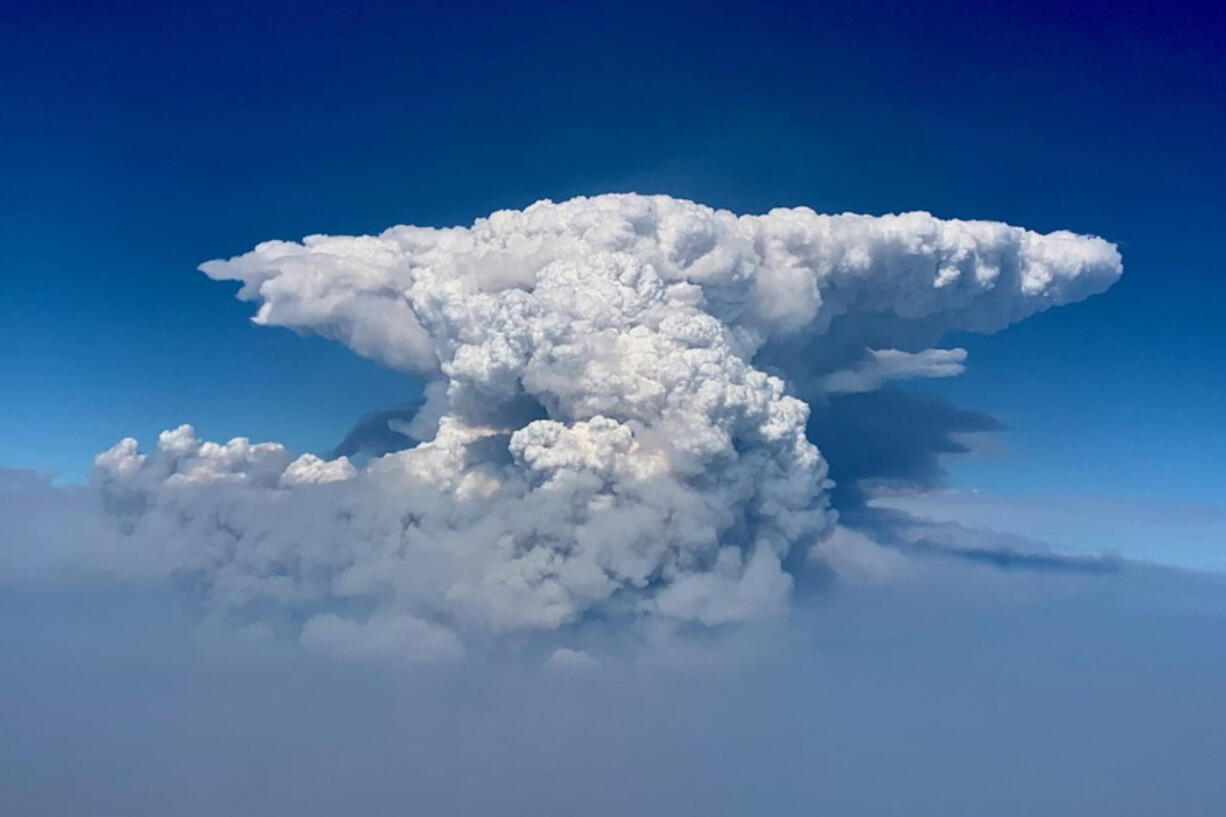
column 616, row 426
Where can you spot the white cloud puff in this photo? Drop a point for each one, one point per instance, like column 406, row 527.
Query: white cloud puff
column 614, row 427
column 884, row 365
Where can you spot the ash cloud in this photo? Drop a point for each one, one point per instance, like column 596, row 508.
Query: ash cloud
column 639, row 410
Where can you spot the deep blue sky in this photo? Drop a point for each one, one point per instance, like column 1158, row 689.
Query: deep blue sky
column 139, row 139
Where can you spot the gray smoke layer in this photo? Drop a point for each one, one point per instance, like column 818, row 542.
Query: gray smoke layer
column 967, row 692
column 617, row 426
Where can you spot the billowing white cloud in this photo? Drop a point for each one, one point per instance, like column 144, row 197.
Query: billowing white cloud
column 613, row 429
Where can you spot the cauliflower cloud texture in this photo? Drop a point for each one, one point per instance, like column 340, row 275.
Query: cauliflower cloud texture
column 615, row 424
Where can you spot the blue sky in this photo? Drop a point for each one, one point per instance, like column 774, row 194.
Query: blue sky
column 141, row 139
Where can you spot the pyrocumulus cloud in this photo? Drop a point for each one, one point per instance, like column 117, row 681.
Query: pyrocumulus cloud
column 617, row 425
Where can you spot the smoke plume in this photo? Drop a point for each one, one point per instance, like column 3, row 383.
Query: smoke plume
column 638, row 410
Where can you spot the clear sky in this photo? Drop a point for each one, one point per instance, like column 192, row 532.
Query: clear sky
column 140, row 139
